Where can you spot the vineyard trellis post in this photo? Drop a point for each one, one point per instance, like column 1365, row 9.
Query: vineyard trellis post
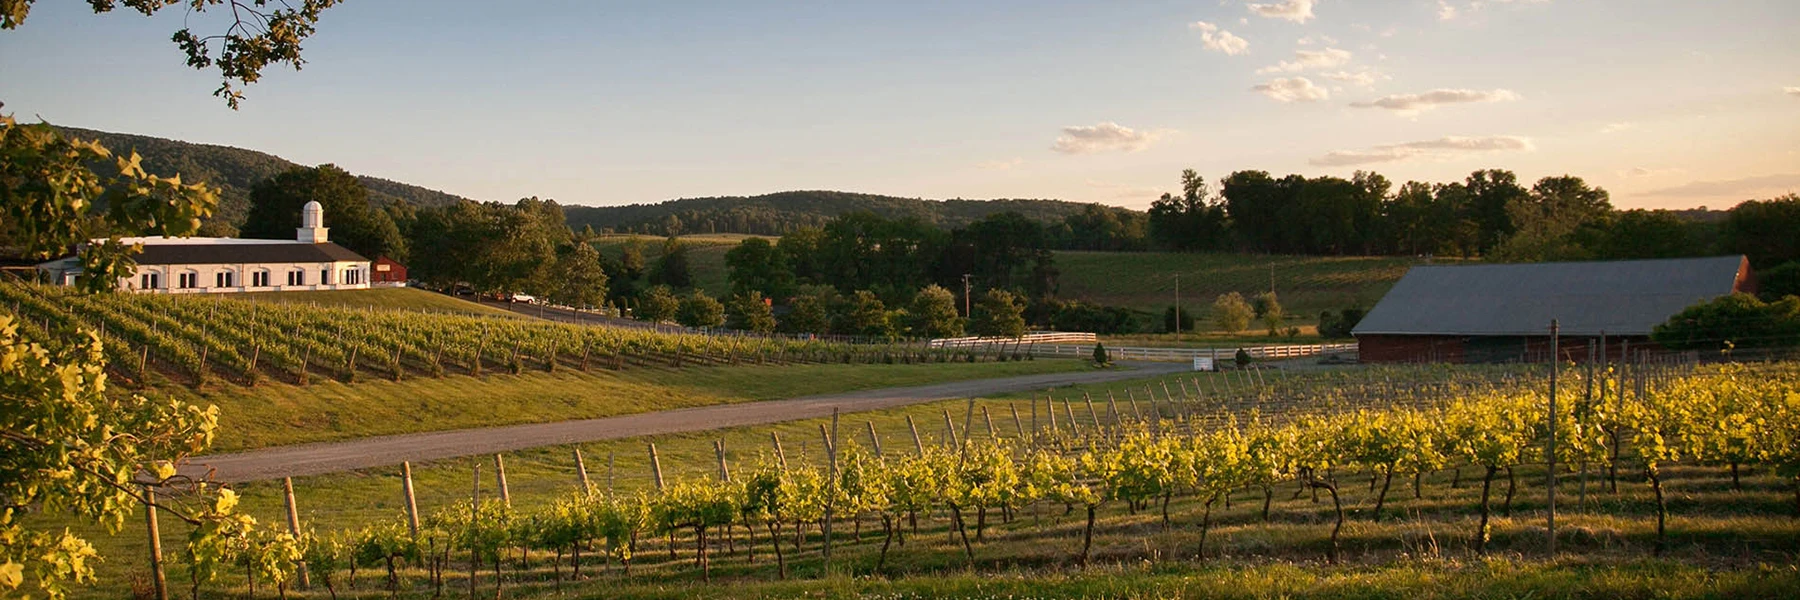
column 656, row 467
column 949, row 430
column 610, row 456
column 831, row 490
column 412, row 502
column 780, row 455
column 1550, row 451
column 160, row 582
column 874, row 440
column 724, row 470
column 500, row 479
column 989, row 418
column 581, row 471
column 1017, row 424
column 293, row 522
column 474, row 517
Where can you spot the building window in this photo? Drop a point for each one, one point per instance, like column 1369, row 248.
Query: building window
column 225, row 279
column 324, row 276
column 296, row 277
column 150, row 281
column 189, row 281
column 259, row 279
column 353, row 277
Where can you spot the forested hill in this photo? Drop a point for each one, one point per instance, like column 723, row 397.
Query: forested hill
column 781, row 212
column 236, row 170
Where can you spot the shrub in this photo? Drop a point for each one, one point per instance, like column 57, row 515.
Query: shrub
column 1230, row 313
column 1269, row 311
column 1735, row 321
column 1100, row 357
column 1337, row 326
column 1177, row 319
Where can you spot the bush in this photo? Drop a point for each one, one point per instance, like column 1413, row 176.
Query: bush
column 1268, row 310
column 701, row 311
column 1779, row 282
column 1243, row 358
column 1090, row 317
column 1230, row 313
column 1338, row 326
column 1100, row 357
column 1185, row 315
column 1735, row 321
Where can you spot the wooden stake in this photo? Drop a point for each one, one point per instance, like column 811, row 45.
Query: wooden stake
column 1017, row 424
column 985, row 416
column 874, row 440
column 724, row 471
column 656, row 466
column 780, row 455
column 160, row 582
column 581, row 471
column 293, row 518
column 500, row 475
column 412, row 503
column 949, row 429
column 918, row 444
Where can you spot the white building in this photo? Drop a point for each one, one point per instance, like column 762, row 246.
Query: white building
column 199, row 265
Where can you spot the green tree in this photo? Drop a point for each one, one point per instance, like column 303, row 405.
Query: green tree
column 1779, row 282
column 54, row 204
column 672, row 267
column 749, row 311
column 1735, row 321
column 810, row 311
column 259, row 35
column 863, row 313
column 998, row 314
column 579, row 280
column 1268, row 310
column 275, row 211
column 1230, row 313
column 1764, row 230
column 70, row 447
column 934, row 313
column 657, row 305
column 1100, row 356
column 757, row 265
column 700, row 311
column 1178, row 319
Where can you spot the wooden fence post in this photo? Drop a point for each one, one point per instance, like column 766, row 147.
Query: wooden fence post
column 874, row 440
column 780, row 455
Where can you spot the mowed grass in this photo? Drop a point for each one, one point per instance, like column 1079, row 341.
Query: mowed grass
column 1305, row 284
column 1724, row 543
column 409, row 299
column 281, row 414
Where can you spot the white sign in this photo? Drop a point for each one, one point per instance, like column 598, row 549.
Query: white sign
column 1203, row 363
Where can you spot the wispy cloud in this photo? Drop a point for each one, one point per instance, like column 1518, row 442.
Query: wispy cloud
column 1219, row 40
column 1361, row 77
column 1641, row 172
column 1104, row 137
column 999, row 165
column 1445, row 11
column 1409, row 104
column 1441, row 148
column 1317, row 39
column 1747, row 186
column 1618, row 127
column 1298, row 11
column 1792, row 91
column 1310, row 59
column 1298, row 89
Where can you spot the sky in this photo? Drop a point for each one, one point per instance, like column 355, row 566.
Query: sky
column 1665, row 103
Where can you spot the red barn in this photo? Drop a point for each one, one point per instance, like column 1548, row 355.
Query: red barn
column 386, row 272
column 1501, row 313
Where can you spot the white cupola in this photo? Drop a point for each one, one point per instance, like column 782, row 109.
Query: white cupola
column 312, row 224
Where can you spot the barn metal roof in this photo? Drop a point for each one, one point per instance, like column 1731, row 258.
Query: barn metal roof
column 1617, row 297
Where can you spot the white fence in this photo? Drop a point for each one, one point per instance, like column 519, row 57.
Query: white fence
column 1026, row 340
column 1185, row 355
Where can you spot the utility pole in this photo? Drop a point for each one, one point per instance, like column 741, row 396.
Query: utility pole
column 966, row 313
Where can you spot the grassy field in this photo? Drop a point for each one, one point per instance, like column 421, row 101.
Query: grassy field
column 1306, row 284
column 1725, row 543
column 408, row 299
column 280, row 414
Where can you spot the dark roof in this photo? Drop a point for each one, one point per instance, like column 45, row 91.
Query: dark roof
column 1586, row 298
column 229, row 254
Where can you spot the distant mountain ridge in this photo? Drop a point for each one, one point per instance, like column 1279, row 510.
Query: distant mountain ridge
column 235, row 170
column 782, row 212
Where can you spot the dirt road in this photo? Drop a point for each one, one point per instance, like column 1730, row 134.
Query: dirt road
column 331, row 457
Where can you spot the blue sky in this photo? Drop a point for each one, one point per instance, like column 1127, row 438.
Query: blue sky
column 1665, row 103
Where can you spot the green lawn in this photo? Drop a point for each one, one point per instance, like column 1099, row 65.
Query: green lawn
column 409, row 299
column 280, row 414
column 1306, row 284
